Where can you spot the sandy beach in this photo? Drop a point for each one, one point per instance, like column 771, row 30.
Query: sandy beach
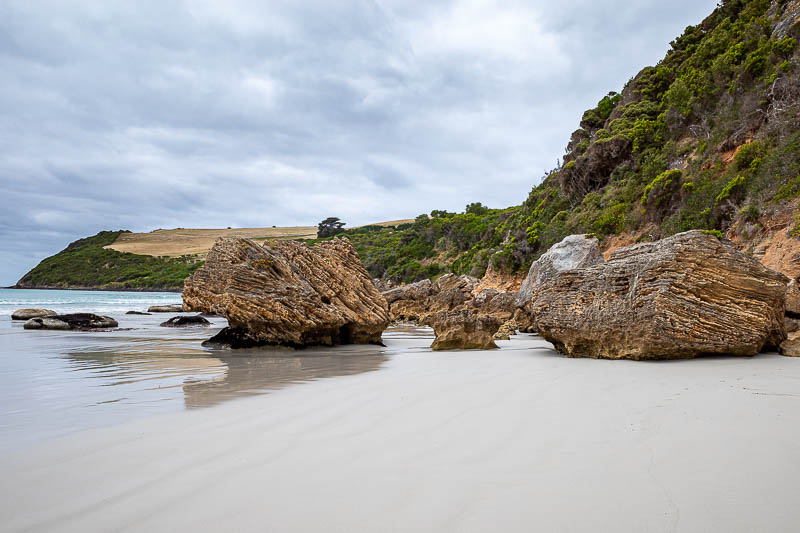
column 518, row 439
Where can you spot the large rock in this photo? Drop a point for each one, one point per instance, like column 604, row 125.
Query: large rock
column 80, row 321
column 575, row 251
column 681, row 297
column 462, row 330
column 287, row 293
column 27, row 314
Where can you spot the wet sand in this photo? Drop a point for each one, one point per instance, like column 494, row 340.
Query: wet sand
column 519, row 439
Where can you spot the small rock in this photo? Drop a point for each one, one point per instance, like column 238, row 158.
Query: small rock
column 27, row 314
column 137, row 313
column 165, row 309
column 506, row 330
column 186, row 321
column 80, row 321
column 462, row 330
column 791, row 346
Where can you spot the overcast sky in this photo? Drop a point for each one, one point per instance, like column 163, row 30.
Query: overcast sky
column 215, row 113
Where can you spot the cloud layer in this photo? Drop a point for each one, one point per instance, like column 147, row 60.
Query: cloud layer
column 202, row 113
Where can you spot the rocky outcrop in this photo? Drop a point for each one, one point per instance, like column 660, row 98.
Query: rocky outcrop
column 79, row 321
column 27, row 314
column 462, row 330
column 409, row 302
column 186, row 322
column 793, row 299
column 500, row 305
column 681, row 297
column 452, row 307
column 165, row 309
column 287, row 293
column 575, row 251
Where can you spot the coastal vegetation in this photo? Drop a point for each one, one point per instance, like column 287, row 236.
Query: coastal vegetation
column 85, row 263
column 707, row 139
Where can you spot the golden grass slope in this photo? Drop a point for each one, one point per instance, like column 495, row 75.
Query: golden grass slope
column 184, row 241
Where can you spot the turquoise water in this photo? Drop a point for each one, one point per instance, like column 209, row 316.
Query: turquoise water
column 74, row 301
column 57, row 382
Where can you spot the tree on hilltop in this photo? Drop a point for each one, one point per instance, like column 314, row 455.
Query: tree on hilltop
column 329, row 227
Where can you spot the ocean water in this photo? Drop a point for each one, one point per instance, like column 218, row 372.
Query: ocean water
column 56, row 382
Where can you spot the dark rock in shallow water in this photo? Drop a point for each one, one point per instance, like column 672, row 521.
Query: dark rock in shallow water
column 165, row 309
column 80, row 321
column 27, row 314
column 186, row 322
column 137, row 313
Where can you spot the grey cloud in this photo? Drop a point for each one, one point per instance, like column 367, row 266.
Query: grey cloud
column 142, row 115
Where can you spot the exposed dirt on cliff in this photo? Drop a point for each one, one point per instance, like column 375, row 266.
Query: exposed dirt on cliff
column 771, row 240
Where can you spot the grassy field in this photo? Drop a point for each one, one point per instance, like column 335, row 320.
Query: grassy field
column 182, row 241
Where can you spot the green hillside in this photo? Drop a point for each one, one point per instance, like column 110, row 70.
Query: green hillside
column 708, row 137
column 85, row 263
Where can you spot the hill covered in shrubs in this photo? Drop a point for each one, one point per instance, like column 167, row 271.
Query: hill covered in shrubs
column 709, row 138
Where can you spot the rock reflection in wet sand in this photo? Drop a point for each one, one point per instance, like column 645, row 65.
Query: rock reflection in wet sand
column 259, row 370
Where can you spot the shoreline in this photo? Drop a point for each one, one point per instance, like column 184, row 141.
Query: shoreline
column 99, row 289
column 521, row 436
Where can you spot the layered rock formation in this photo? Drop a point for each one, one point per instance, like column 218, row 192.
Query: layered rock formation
column 462, row 330
column 287, row 293
column 461, row 318
column 681, row 297
column 575, row 251
column 79, row 321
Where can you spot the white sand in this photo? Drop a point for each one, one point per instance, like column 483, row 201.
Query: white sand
column 514, row 440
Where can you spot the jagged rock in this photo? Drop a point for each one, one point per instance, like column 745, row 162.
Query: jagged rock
column 791, row 346
column 382, row 285
column 165, row 309
column 462, row 330
column 793, row 299
column 507, row 329
column 791, row 324
column 82, row 321
column 500, row 305
column 463, row 283
column 186, row 322
column 287, row 293
column 681, row 297
column 524, row 321
column 27, row 314
column 137, row 313
column 575, row 251
column 409, row 302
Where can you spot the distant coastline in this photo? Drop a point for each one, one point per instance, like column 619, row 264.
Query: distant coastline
column 101, row 289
